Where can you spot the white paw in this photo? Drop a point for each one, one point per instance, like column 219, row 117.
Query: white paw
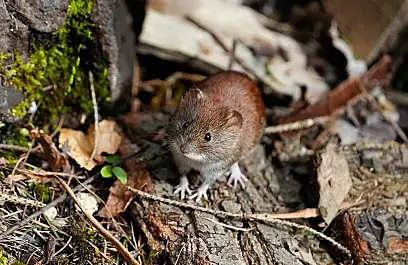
column 237, row 177
column 182, row 188
column 200, row 193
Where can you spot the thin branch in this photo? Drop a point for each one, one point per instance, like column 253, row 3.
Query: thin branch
column 42, row 210
column 229, row 226
column 95, row 106
column 294, row 126
column 14, row 147
column 232, row 54
column 242, row 217
column 60, row 124
column 118, row 245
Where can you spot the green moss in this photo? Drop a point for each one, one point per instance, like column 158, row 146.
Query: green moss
column 41, row 191
column 82, row 237
column 57, row 73
column 3, row 260
column 18, row 263
column 19, row 137
column 63, row 261
column 11, row 157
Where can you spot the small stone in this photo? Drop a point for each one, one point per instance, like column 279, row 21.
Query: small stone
column 88, row 201
column 51, row 213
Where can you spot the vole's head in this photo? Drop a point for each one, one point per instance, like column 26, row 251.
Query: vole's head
column 201, row 131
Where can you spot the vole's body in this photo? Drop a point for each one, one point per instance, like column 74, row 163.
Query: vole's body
column 217, row 122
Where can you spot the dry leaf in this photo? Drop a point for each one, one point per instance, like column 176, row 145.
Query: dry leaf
column 138, row 178
column 55, row 158
column 109, row 139
column 80, row 146
column 334, row 179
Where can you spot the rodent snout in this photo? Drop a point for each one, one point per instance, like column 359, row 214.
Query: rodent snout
column 185, row 148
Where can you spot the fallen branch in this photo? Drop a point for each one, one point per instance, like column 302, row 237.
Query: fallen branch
column 241, row 217
column 294, row 126
column 122, row 250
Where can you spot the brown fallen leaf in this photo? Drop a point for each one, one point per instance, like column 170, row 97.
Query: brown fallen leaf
column 80, row 146
column 109, row 137
column 56, row 159
column 137, row 177
column 334, row 179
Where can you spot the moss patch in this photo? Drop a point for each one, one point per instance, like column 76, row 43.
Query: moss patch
column 3, row 260
column 56, row 75
column 41, row 192
column 83, row 237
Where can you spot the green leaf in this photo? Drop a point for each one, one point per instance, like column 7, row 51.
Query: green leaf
column 112, row 159
column 106, row 171
column 120, row 174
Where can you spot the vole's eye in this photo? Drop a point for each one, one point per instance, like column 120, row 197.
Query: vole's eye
column 185, row 125
column 207, row 137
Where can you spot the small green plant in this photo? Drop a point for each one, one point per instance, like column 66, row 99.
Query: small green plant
column 110, row 170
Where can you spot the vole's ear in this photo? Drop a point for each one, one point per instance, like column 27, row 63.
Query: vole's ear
column 234, row 118
column 194, row 93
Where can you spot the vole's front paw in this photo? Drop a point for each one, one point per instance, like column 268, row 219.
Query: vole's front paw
column 237, row 177
column 183, row 188
column 200, row 193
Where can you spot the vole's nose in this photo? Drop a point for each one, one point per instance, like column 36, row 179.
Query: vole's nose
column 185, row 148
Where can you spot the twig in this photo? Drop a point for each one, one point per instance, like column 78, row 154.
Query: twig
column 62, row 249
column 122, row 250
column 181, row 250
column 95, row 105
column 48, row 174
column 17, row 164
column 304, row 213
column 242, row 217
column 14, row 147
column 114, row 222
column 19, row 200
column 42, row 210
column 294, row 126
column 60, row 124
column 232, row 55
column 228, row 226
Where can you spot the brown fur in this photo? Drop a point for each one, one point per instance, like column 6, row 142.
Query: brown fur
column 230, row 107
